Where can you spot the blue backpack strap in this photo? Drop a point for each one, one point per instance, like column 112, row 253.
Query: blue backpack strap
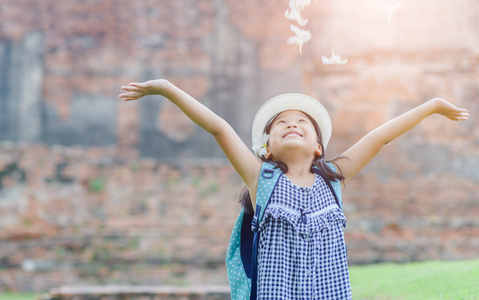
column 267, row 180
column 266, row 183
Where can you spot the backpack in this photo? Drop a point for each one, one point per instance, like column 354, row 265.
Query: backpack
column 241, row 258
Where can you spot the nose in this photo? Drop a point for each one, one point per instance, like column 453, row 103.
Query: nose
column 292, row 124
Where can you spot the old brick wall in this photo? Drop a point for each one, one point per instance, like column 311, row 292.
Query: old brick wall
column 97, row 191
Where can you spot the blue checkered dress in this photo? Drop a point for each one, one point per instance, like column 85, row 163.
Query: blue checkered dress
column 302, row 253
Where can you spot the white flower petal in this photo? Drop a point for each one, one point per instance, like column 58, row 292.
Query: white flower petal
column 391, row 8
column 257, row 141
column 301, row 3
column 264, row 139
column 334, row 60
column 259, row 145
column 294, row 15
column 262, row 152
column 300, row 32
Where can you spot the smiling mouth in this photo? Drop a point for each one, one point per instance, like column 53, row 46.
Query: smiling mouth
column 292, row 133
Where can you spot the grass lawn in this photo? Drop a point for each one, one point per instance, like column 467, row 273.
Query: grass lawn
column 434, row 280
column 8, row 296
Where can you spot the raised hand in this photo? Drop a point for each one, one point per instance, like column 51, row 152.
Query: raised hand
column 242, row 159
column 135, row 90
column 370, row 145
column 449, row 110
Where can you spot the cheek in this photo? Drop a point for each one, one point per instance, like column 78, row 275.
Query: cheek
column 313, row 137
column 273, row 137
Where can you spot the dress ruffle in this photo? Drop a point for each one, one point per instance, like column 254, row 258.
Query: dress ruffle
column 315, row 221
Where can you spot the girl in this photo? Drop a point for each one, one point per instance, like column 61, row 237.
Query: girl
column 301, row 249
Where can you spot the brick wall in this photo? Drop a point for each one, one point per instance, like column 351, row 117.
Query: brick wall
column 97, row 191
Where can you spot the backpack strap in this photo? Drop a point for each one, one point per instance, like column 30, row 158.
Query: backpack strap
column 266, row 182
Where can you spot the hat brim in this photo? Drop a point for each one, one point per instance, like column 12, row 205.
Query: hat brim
column 293, row 101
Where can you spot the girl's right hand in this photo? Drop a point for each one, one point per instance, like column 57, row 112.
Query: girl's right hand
column 135, row 90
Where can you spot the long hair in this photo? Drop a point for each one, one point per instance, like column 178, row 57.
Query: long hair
column 319, row 162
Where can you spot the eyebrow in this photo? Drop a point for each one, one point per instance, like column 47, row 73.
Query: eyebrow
column 299, row 114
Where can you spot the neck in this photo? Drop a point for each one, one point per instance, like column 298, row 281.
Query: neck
column 299, row 172
column 298, row 165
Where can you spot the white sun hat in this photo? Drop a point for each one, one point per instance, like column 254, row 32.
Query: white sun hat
column 290, row 101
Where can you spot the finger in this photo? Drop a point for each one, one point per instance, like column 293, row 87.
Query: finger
column 131, row 98
column 463, row 115
column 129, row 88
column 137, row 84
column 461, row 110
column 124, row 95
column 460, row 118
column 132, row 95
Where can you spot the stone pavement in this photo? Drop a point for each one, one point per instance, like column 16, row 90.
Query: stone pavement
column 203, row 292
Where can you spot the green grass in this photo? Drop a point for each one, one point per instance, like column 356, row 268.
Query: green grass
column 10, row 296
column 434, row 280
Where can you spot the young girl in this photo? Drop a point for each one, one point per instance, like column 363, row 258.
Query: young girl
column 301, row 249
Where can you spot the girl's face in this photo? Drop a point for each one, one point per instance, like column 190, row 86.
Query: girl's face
column 292, row 130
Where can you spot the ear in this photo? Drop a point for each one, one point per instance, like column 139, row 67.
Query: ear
column 318, row 151
column 268, row 155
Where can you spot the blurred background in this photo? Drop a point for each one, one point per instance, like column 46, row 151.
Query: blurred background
column 97, row 191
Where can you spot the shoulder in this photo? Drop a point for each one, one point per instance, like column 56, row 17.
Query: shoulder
column 266, row 178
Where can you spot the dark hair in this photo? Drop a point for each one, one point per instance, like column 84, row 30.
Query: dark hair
column 319, row 164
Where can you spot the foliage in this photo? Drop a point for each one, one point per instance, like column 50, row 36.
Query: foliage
column 96, row 184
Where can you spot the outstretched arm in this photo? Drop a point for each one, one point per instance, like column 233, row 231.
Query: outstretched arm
column 363, row 151
column 242, row 159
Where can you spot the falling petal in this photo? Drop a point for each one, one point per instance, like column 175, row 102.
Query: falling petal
column 294, row 15
column 391, row 9
column 301, row 3
column 334, row 60
column 299, row 39
column 300, row 32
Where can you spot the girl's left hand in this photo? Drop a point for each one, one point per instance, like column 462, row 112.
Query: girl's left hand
column 449, row 110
